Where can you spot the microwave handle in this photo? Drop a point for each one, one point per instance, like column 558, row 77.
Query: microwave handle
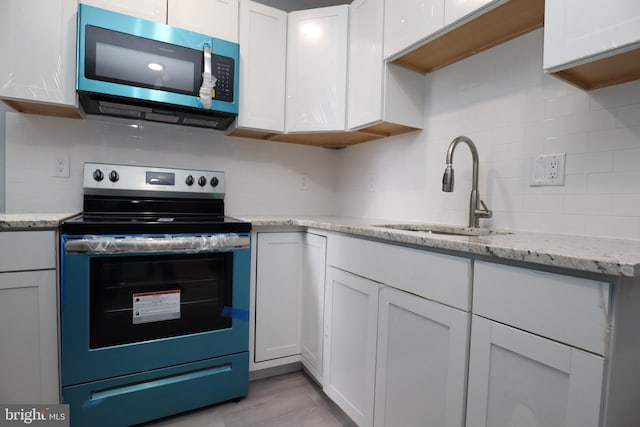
column 206, row 53
column 208, row 80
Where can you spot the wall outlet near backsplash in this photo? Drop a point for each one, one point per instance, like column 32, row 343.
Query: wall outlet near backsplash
column 60, row 165
column 548, row 169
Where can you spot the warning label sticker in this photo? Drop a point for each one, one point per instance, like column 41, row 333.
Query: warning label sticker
column 156, row 306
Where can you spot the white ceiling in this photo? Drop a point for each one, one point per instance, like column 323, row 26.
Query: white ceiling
column 290, row 5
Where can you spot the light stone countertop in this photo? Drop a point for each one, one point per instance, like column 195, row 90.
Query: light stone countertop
column 615, row 257
column 31, row 221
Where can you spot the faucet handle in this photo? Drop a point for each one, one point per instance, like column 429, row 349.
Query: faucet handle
column 485, row 212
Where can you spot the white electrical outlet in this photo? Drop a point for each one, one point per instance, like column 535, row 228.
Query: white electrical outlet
column 371, row 182
column 60, row 165
column 548, row 169
column 304, row 182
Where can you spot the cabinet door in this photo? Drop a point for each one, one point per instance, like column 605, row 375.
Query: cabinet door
column 421, row 363
column 263, row 56
column 37, row 41
column 520, row 379
column 29, row 337
column 317, row 69
column 278, row 277
column 365, row 62
column 409, row 21
column 153, row 10
column 312, row 301
column 458, row 9
column 351, row 307
column 578, row 29
column 216, row 18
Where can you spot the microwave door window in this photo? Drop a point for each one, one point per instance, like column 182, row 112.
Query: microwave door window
column 115, row 57
column 144, row 69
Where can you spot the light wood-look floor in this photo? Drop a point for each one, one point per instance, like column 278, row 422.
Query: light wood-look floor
column 288, row 400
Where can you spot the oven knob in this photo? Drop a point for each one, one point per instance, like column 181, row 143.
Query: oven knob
column 98, row 175
column 113, row 176
column 189, row 180
column 214, row 182
column 202, row 181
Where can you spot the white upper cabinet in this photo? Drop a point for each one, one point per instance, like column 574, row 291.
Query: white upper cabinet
column 428, row 35
column 383, row 99
column 216, row 18
column 458, row 9
column 38, row 67
column 365, row 62
column 592, row 43
column 263, row 58
column 153, row 10
column 317, row 69
column 409, row 21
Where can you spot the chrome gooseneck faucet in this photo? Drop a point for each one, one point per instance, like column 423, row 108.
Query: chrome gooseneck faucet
column 475, row 212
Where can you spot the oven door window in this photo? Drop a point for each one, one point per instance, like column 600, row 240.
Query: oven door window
column 140, row 298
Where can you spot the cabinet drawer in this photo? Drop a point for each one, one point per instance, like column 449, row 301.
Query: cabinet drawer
column 27, row 250
column 442, row 278
column 568, row 309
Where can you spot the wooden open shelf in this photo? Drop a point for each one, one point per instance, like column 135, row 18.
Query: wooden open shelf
column 504, row 22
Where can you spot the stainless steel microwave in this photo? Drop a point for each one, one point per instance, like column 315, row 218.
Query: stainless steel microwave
column 133, row 68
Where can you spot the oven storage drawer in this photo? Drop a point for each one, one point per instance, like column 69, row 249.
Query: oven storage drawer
column 132, row 399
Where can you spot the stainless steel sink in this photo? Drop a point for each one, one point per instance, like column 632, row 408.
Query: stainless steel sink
column 443, row 229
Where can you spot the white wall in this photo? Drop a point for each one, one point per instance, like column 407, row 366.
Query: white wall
column 263, row 178
column 513, row 111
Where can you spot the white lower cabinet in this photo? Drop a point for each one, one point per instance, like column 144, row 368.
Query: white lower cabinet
column 277, row 295
column 28, row 318
column 288, row 300
column 350, row 328
column 312, row 302
column 520, row 379
column 421, row 362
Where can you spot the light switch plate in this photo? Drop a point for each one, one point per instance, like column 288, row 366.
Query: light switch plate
column 548, row 169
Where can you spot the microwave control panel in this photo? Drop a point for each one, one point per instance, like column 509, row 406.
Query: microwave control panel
column 222, row 67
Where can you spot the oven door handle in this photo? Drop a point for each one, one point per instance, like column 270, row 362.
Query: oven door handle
column 142, row 244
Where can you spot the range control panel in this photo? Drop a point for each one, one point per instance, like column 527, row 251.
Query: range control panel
column 111, row 179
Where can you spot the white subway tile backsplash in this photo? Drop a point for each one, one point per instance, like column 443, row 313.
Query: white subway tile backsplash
column 573, row 103
column 628, row 116
column 596, row 162
column 625, row 205
column 595, row 204
column 261, row 176
column 590, row 121
column 614, row 227
column 570, row 144
column 614, row 183
column 627, row 160
column 563, row 224
column 615, row 96
column 614, row 139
